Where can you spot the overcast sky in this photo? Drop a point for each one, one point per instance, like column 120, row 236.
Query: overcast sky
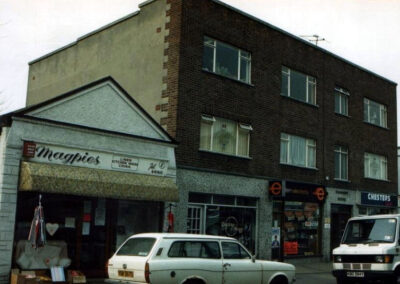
column 365, row 32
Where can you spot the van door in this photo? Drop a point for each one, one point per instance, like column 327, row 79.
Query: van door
column 238, row 268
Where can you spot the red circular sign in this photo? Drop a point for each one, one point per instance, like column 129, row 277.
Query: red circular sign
column 319, row 193
column 275, row 188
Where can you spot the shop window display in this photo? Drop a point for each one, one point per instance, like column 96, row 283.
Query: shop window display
column 224, row 216
column 301, row 228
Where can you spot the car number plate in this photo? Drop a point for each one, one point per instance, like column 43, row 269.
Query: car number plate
column 125, row 273
column 355, row 274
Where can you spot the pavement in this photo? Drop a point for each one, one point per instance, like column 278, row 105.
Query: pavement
column 311, row 267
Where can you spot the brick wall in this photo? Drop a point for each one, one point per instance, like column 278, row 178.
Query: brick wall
column 262, row 106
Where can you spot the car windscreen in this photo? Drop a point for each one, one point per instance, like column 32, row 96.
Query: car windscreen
column 370, row 231
column 137, row 247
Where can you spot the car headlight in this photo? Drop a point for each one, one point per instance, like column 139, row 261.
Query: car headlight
column 384, row 258
column 337, row 258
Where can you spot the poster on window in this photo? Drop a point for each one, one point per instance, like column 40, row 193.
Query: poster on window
column 276, row 236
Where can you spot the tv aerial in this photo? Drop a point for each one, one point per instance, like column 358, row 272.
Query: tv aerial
column 314, row 38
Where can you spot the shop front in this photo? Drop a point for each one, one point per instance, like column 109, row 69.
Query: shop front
column 297, row 219
column 372, row 203
column 97, row 180
column 226, row 205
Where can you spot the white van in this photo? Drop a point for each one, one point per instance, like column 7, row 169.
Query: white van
column 369, row 250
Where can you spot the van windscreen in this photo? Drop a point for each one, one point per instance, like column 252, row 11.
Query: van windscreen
column 370, row 231
column 137, row 247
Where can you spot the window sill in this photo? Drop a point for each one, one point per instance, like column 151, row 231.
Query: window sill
column 342, row 180
column 342, row 115
column 376, row 125
column 300, row 167
column 223, row 76
column 377, row 179
column 300, row 101
column 228, row 155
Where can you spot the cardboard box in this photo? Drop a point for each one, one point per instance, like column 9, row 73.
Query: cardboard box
column 29, row 277
column 75, row 277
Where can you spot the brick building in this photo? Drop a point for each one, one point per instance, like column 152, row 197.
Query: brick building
column 277, row 137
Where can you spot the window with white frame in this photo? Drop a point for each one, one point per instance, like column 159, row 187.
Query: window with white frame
column 298, row 151
column 226, row 60
column 224, row 136
column 375, row 166
column 375, row 113
column 341, row 101
column 298, row 86
column 341, row 163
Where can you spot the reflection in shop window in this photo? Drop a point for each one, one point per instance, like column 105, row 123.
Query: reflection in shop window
column 301, row 228
column 234, row 220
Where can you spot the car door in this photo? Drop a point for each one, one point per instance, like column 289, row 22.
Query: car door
column 238, row 267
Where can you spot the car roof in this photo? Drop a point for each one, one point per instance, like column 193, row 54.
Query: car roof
column 180, row 236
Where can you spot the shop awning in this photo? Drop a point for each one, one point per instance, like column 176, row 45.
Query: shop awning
column 94, row 182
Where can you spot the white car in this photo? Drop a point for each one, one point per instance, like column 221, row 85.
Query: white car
column 192, row 259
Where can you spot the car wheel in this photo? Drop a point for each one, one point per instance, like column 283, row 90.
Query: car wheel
column 279, row 280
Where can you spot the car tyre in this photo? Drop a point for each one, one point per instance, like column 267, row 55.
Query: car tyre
column 194, row 281
column 279, row 280
column 342, row 281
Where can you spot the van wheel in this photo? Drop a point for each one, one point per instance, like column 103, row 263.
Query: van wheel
column 279, row 280
column 342, row 281
column 194, row 281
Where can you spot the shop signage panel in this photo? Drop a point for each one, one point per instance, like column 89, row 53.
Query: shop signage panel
column 275, row 189
column 378, row 199
column 52, row 154
column 306, row 192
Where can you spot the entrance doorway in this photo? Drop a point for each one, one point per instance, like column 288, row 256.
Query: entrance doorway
column 339, row 216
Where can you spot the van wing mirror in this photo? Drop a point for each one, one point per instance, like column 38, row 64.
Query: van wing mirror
column 253, row 258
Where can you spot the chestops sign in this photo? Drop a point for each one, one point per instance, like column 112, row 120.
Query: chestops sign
column 378, row 199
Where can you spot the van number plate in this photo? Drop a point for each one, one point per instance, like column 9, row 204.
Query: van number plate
column 355, row 274
column 124, row 273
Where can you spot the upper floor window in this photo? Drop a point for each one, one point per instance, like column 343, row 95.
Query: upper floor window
column 341, row 163
column 375, row 113
column 375, row 166
column 226, row 60
column 341, row 101
column 298, row 151
column 298, row 86
column 224, row 136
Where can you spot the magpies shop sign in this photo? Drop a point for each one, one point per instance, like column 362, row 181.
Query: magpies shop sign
column 53, row 154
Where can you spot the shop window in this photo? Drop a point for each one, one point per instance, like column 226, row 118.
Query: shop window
column 341, row 101
column 194, row 219
column 375, row 166
column 233, row 220
column 375, row 113
column 226, row 60
column 224, row 136
column 298, row 86
column 301, row 228
column 298, row 151
column 364, row 210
